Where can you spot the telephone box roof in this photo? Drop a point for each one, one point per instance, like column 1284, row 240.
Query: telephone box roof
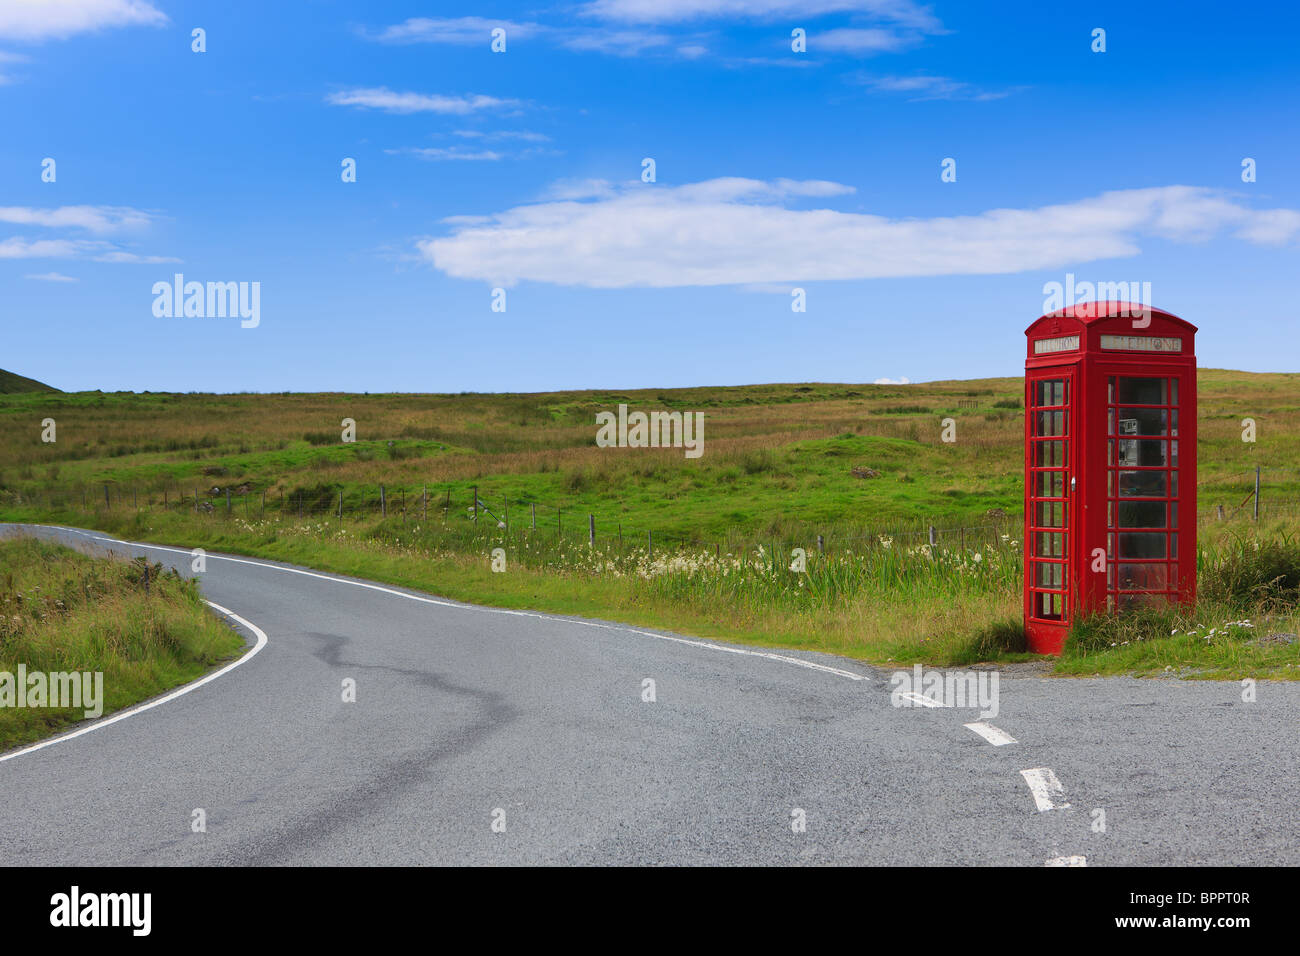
column 1091, row 312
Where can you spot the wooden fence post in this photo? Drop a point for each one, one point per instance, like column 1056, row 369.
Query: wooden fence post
column 821, row 544
column 383, row 503
column 1257, row 492
column 227, row 499
column 533, row 506
column 591, row 530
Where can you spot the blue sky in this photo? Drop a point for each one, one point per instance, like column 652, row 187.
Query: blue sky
column 522, row 170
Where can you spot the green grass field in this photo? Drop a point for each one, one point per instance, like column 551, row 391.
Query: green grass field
column 783, row 464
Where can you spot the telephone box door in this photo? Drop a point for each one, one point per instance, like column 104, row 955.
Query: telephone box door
column 1050, row 518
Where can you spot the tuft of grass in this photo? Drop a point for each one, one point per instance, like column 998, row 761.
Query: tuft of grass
column 1252, row 572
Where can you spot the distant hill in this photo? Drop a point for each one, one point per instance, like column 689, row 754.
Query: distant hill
column 10, row 383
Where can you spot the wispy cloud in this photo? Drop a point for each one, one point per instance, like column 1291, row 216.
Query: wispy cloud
column 19, row 247
column 527, row 136
column 902, row 380
column 382, row 98
column 619, row 42
column 862, row 41
column 118, row 255
column 924, row 87
column 456, row 31
column 468, row 31
column 36, row 20
column 902, row 12
column 51, row 277
column 436, row 153
column 96, row 219
column 737, row 231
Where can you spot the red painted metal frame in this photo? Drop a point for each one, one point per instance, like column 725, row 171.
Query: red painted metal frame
column 1088, row 369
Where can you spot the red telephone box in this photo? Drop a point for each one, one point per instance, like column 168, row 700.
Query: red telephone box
column 1110, row 465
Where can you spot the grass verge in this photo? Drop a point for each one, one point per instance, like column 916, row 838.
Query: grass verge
column 63, row 611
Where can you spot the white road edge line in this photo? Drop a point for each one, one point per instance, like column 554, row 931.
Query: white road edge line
column 998, row 738
column 1047, row 790
column 810, row 665
column 1067, row 861
column 180, row 691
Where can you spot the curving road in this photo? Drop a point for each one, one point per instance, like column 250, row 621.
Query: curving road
column 467, row 715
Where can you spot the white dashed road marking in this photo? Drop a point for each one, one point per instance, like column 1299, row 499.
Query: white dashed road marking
column 998, row 738
column 921, row 700
column 1047, row 790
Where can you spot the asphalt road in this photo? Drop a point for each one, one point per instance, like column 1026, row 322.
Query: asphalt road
column 467, row 715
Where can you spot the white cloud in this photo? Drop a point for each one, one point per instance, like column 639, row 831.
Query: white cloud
column 630, row 27
column 618, row 42
column 736, row 231
column 382, row 98
column 454, row 30
column 436, row 153
column 96, row 219
column 520, row 134
column 51, row 277
column 17, row 247
column 117, row 255
column 874, row 40
column 925, row 87
column 34, row 20
column 892, row 381
column 465, row 31
column 903, row 12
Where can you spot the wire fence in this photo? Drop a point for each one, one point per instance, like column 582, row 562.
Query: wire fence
column 475, row 513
